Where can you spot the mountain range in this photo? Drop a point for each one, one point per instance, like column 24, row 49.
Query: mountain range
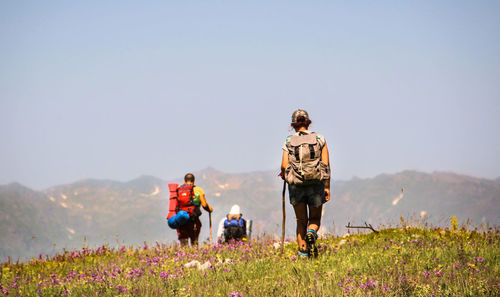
column 94, row 212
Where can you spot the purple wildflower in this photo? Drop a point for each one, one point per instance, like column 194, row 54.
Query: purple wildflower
column 235, row 294
column 121, row 289
column 5, row 291
column 386, row 288
column 164, row 275
column 348, row 289
column 370, row 284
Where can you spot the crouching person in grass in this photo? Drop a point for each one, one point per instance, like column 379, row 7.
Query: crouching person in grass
column 305, row 166
column 235, row 227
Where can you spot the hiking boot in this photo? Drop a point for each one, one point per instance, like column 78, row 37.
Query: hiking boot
column 311, row 237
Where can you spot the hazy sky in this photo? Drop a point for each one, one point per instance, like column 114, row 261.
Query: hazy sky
column 117, row 89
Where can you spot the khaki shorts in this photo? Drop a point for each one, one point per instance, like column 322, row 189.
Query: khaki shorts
column 312, row 195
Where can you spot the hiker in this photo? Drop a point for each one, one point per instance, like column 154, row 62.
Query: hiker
column 235, row 227
column 195, row 197
column 305, row 167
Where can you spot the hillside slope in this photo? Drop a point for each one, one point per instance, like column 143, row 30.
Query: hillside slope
column 99, row 211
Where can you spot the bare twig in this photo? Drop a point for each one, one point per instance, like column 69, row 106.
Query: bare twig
column 366, row 226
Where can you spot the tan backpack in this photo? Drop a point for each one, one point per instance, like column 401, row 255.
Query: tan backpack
column 304, row 160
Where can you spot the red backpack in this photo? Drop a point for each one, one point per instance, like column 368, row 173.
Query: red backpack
column 185, row 196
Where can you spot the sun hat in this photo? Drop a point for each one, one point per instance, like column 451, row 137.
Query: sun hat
column 235, row 210
column 299, row 115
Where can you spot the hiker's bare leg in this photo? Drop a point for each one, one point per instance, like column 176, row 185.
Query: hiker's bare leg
column 301, row 216
column 314, row 217
column 184, row 241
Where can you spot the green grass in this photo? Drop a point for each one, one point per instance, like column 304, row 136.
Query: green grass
column 395, row 262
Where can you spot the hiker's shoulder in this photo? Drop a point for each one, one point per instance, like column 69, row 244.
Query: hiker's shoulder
column 198, row 189
column 320, row 138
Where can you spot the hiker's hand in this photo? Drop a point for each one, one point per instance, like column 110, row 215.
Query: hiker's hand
column 327, row 195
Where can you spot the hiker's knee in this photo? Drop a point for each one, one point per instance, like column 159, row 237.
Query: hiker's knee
column 184, row 241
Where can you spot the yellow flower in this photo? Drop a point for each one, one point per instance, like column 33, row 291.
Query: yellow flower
column 454, row 223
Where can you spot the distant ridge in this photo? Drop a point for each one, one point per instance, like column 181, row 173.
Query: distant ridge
column 134, row 211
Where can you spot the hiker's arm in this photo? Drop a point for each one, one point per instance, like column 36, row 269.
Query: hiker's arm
column 325, row 158
column 204, row 203
column 284, row 163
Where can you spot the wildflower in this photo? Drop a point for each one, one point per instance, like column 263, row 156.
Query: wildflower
column 426, row 274
column 5, row 291
column 348, row 289
column 454, row 223
column 235, row 294
column 164, row 275
column 370, row 284
column 121, row 289
column 386, row 288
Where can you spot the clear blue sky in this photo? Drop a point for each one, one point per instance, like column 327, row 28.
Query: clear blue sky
column 117, row 89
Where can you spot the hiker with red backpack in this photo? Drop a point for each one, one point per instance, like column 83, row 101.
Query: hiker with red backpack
column 184, row 210
column 305, row 167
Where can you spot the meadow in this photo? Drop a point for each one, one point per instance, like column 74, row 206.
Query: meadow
column 399, row 261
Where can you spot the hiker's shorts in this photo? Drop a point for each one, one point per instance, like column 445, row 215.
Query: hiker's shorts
column 312, row 195
column 190, row 230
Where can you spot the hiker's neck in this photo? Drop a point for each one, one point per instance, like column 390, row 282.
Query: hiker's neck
column 301, row 129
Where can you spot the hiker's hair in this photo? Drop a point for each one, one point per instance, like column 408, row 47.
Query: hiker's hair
column 301, row 122
column 189, row 177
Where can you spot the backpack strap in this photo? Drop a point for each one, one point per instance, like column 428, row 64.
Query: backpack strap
column 311, row 151
column 177, row 197
column 296, row 153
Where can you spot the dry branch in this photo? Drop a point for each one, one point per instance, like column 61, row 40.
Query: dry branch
column 366, row 226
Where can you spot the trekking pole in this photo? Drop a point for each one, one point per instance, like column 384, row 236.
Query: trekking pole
column 284, row 217
column 210, row 224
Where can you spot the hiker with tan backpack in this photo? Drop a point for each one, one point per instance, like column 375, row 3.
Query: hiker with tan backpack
column 305, row 167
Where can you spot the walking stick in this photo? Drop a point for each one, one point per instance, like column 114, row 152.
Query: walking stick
column 210, row 224
column 284, row 217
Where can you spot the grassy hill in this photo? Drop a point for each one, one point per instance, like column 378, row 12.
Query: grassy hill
column 104, row 211
column 404, row 261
